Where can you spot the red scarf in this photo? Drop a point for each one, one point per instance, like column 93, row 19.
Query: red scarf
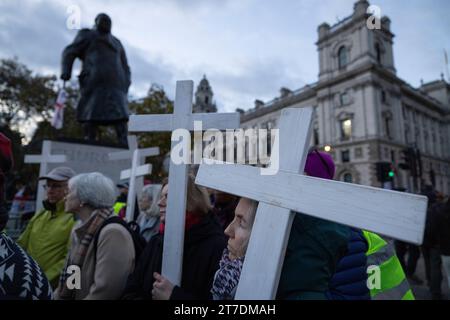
column 6, row 158
column 191, row 220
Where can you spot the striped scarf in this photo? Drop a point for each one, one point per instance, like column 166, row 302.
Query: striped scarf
column 227, row 277
column 78, row 255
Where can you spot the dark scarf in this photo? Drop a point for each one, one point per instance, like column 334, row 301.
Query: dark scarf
column 77, row 257
column 227, row 277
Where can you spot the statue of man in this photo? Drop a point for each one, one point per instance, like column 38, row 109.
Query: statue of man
column 104, row 79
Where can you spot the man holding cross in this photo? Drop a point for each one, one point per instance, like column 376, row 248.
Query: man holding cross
column 47, row 235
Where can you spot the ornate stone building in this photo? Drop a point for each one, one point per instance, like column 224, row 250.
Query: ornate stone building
column 364, row 111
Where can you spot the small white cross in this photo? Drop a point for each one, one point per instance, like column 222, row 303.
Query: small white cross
column 43, row 159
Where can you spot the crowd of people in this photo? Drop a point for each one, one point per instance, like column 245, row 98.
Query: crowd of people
column 81, row 227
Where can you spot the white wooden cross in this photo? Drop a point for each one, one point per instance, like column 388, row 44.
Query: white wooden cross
column 135, row 172
column 182, row 118
column 141, row 171
column 43, row 159
column 398, row 215
column 128, row 155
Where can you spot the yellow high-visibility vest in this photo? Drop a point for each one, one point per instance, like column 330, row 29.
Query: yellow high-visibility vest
column 394, row 285
column 118, row 206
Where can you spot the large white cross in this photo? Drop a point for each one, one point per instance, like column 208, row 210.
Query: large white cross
column 135, row 172
column 182, row 118
column 398, row 215
column 43, row 159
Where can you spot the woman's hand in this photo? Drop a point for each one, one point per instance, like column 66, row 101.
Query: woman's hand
column 162, row 288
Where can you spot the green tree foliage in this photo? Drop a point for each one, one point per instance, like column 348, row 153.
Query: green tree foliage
column 156, row 102
column 23, row 95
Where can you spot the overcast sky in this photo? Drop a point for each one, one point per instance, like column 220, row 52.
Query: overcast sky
column 248, row 49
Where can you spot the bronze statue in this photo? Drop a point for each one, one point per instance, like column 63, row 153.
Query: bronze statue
column 104, row 79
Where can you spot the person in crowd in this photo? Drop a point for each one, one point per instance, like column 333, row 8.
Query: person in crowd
column 334, row 272
column 148, row 219
column 441, row 212
column 6, row 163
column 47, row 235
column 314, row 247
column 120, row 207
column 203, row 246
column 121, row 200
column 21, row 277
column 104, row 252
column 434, row 242
column 224, row 206
column 430, row 248
column 238, row 231
column 370, row 270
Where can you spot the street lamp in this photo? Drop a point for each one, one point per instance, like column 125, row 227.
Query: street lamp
column 327, row 148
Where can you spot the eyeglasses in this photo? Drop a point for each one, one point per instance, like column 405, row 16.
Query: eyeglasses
column 54, row 186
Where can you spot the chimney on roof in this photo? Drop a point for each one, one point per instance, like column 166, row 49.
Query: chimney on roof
column 258, row 104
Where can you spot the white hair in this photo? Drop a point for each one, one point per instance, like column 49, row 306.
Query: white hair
column 152, row 193
column 94, row 189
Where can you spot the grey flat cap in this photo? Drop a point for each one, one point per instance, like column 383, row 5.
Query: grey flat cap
column 59, row 174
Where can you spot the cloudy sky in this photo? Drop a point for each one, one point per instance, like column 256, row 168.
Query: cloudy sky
column 248, row 49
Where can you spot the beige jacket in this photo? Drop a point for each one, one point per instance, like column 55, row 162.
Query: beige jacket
column 105, row 278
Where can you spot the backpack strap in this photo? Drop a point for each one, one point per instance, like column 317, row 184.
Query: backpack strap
column 112, row 219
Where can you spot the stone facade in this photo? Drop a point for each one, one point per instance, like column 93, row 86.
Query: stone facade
column 364, row 112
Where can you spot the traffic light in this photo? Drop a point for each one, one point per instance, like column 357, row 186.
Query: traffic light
column 406, row 165
column 410, row 161
column 391, row 173
column 385, row 171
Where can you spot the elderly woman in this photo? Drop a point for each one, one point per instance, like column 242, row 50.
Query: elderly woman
column 314, row 247
column 203, row 245
column 148, row 219
column 106, row 262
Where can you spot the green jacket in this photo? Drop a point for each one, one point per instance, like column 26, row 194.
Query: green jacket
column 314, row 248
column 47, row 240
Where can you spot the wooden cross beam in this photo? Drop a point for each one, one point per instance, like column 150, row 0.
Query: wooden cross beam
column 44, row 159
column 182, row 118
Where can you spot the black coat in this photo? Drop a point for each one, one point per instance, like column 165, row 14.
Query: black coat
column 437, row 231
column 203, row 247
column 104, row 79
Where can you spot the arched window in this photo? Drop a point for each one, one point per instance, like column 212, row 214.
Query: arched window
column 347, row 177
column 378, row 52
column 206, row 100
column 342, row 55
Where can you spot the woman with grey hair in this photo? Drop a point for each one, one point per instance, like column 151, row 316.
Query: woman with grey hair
column 148, row 219
column 104, row 260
